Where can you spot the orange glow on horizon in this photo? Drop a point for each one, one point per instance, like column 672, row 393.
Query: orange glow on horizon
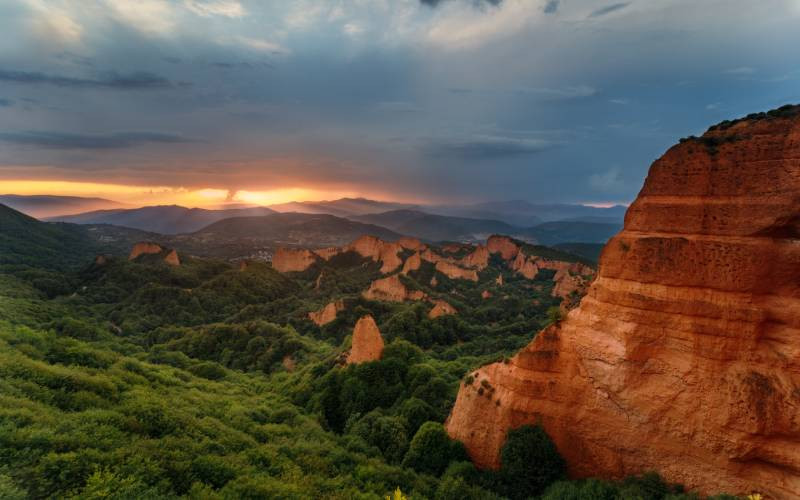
column 167, row 195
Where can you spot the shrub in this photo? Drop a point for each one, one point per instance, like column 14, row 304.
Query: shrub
column 432, row 450
column 529, row 462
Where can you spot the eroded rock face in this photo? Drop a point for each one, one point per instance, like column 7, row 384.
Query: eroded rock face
column 327, row 313
column 367, row 342
column 328, row 252
column 502, row 245
column 391, row 289
column 412, row 263
column 379, row 251
column 411, row 244
column 453, row 271
column 144, row 248
column 150, row 248
column 684, row 356
column 172, row 258
column 288, row 260
column 441, row 308
column 477, row 259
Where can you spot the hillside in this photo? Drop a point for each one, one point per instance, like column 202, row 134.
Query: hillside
column 163, row 219
column 41, row 206
column 344, row 207
column 553, row 233
column 27, row 241
column 432, row 227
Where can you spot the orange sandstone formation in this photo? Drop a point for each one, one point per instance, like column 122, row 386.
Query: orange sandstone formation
column 327, row 313
column 150, row 248
column 367, row 342
column 486, row 294
column 412, row 263
column 525, row 266
column 143, row 248
column 477, row 259
column 453, row 271
column 441, row 308
column 172, row 258
column 502, row 245
column 391, row 289
column 684, row 356
column 411, row 244
column 288, row 260
column 379, row 251
column 328, row 252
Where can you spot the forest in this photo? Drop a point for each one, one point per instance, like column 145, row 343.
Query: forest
column 137, row 379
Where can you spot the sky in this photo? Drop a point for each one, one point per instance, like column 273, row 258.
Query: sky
column 200, row 102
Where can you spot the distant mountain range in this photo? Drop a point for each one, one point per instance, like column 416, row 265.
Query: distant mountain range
column 164, row 219
column 289, row 229
column 338, row 221
column 41, row 206
column 344, row 207
column 434, row 227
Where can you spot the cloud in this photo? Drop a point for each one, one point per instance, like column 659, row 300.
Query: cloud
column 609, row 181
column 67, row 140
column 152, row 17
column 259, row 45
column 621, row 102
column 567, row 92
column 435, row 3
column 486, row 147
column 608, row 9
column 742, row 70
column 4, row 103
column 113, row 80
column 208, row 8
column 551, row 7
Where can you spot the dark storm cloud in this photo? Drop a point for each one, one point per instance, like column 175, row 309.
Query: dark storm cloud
column 486, row 147
column 551, row 7
column 66, row 140
column 608, row 9
column 4, row 103
column 112, row 80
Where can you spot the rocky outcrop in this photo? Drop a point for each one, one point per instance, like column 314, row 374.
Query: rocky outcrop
column 486, row 294
column 411, row 244
column 288, row 260
column 379, row 251
column 328, row 253
column 412, row 263
column 684, row 356
column 453, row 271
column 477, row 259
column 391, row 289
column 150, row 248
column 441, row 308
column 525, row 265
column 367, row 342
column 503, row 245
column 429, row 255
column 327, row 313
column 145, row 248
column 499, row 280
column 172, row 258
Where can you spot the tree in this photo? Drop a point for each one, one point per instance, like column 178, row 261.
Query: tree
column 431, row 450
column 529, row 462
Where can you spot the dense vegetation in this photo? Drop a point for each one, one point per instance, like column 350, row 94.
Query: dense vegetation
column 123, row 379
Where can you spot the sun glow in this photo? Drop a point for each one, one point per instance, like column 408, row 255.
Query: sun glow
column 160, row 195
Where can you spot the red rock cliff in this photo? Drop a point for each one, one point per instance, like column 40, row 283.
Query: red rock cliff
column 367, row 342
column 684, row 356
column 292, row 260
